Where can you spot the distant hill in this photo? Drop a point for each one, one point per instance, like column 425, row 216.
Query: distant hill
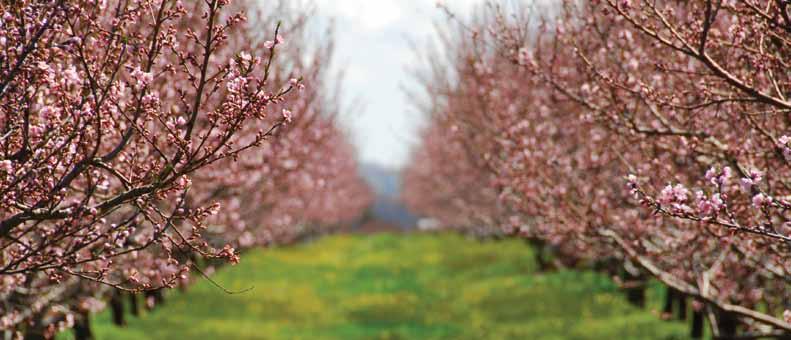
column 387, row 207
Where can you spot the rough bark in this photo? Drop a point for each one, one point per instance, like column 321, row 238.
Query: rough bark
column 670, row 299
column 682, row 306
column 727, row 323
column 697, row 325
column 117, row 309
column 82, row 327
column 134, row 306
column 634, row 287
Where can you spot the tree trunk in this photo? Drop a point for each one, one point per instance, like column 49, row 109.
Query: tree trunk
column 36, row 329
column 540, row 254
column 159, row 297
column 82, row 327
column 670, row 298
column 34, row 333
column 697, row 325
column 636, row 296
column 156, row 296
column 635, row 292
column 682, row 306
column 727, row 324
column 634, row 284
column 117, row 309
column 134, row 307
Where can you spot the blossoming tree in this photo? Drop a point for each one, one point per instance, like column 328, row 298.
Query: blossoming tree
column 674, row 166
column 129, row 130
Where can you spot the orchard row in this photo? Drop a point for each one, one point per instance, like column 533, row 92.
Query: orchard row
column 142, row 140
column 645, row 138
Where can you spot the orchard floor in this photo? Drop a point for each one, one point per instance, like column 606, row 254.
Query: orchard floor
column 398, row 286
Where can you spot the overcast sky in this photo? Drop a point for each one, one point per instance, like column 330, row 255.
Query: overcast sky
column 373, row 48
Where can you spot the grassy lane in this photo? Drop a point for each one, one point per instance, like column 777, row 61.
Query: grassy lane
column 397, row 287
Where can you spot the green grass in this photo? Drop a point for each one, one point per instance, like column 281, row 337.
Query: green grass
column 384, row 286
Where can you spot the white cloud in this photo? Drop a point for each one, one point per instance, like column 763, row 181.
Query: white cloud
column 373, row 47
column 370, row 15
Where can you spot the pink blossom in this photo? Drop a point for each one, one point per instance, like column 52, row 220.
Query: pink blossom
column 673, row 194
column 711, row 175
column 7, row 166
column 666, row 196
column 269, row 44
column 709, row 206
column 717, row 202
column 747, row 184
column 71, row 76
column 680, row 192
column 237, row 84
column 150, row 99
column 760, row 200
column 525, row 57
column 142, row 78
column 230, row 254
column 47, row 113
column 718, row 178
column 783, row 144
column 705, row 208
column 727, row 173
column 756, row 175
